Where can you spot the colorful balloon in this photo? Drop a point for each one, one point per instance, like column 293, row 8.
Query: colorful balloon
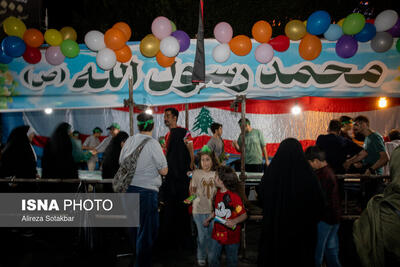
column 14, row 27
column 223, row 32
column 280, row 43
column 382, row 42
column 69, row 33
column 340, row 22
column 124, row 27
column 173, row 26
column 262, row 31
column 4, row 59
column 69, row 48
column 366, row 34
column 221, row 53
column 333, row 33
column 386, row 20
column 183, row 39
column 94, row 40
column 124, row 54
column 395, row 30
column 346, row 46
column 53, row 37
column 33, row 38
column 169, row 46
column 13, row 46
column 318, row 22
column 295, row 30
column 32, row 55
column 54, row 56
column 398, row 45
column 163, row 60
column 106, row 59
column 310, row 47
column 353, row 23
column 114, row 39
column 240, row 45
column 149, row 46
column 264, row 53
column 161, row 27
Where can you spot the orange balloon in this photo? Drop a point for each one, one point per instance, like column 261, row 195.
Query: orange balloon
column 114, row 39
column 123, row 27
column 262, row 31
column 124, row 54
column 164, row 61
column 240, row 45
column 310, row 47
column 33, row 37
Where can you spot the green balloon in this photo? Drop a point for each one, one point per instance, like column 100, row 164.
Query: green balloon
column 353, row 23
column 173, row 26
column 398, row 45
column 69, row 48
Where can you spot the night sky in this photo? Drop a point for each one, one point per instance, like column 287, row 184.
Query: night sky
column 86, row 15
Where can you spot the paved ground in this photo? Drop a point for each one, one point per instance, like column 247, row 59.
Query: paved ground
column 61, row 247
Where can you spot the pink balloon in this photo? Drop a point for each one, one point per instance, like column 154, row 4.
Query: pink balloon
column 264, row 53
column 223, row 32
column 161, row 27
column 54, row 56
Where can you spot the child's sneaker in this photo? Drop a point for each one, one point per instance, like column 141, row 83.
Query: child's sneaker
column 201, row 262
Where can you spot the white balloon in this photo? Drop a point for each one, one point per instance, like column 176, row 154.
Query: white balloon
column 221, row 53
column 169, row 46
column 386, row 20
column 106, row 59
column 94, row 40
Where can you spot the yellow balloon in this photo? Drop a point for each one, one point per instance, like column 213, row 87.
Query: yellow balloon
column 295, row 30
column 305, row 23
column 68, row 33
column 14, row 27
column 340, row 22
column 149, row 46
column 53, row 37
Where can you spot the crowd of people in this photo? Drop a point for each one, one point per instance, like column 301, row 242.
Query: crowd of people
column 299, row 192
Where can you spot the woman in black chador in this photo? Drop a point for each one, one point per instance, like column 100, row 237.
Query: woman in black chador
column 292, row 203
column 18, row 157
column 57, row 161
column 110, row 163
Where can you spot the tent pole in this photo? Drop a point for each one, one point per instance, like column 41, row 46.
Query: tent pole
column 242, row 191
column 131, row 105
column 187, row 116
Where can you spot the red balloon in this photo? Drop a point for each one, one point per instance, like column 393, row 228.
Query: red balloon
column 280, row 43
column 32, row 55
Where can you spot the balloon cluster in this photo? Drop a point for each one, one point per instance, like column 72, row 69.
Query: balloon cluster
column 241, row 45
column 26, row 42
column 347, row 33
column 111, row 46
column 165, row 42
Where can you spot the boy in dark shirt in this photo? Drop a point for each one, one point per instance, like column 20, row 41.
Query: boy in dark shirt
column 327, row 243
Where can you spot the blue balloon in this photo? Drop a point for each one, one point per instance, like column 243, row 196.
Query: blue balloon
column 333, row 33
column 4, row 59
column 318, row 22
column 13, row 46
column 366, row 34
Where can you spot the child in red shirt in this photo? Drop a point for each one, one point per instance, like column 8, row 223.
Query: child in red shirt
column 228, row 207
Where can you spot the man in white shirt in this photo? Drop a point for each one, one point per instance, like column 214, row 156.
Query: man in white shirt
column 90, row 144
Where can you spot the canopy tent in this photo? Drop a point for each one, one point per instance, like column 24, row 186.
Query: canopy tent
column 325, row 88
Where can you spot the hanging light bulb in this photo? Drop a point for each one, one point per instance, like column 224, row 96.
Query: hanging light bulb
column 296, row 110
column 48, row 111
column 149, row 111
column 382, row 103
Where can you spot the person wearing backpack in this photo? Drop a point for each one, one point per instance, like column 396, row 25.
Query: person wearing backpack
column 146, row 181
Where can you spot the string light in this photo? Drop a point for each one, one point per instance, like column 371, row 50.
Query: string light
column 48, row 111
column 382, row 103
